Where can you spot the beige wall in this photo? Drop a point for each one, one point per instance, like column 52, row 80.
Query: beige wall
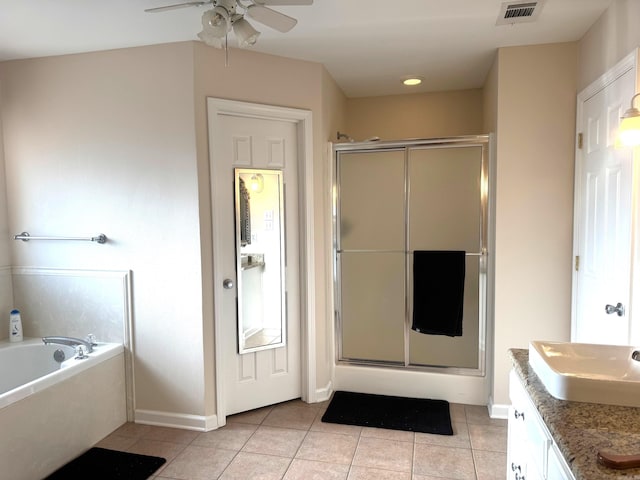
column 104, row 143
column 536, row 101
column 334, row 105
column 610, row 39
column 6, row 289
column 116, row 142
column 421, row 115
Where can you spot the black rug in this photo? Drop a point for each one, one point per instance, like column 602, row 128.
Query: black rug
column 396, row 413
column 102, row 463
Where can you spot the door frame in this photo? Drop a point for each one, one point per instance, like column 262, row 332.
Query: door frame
column 629, row 62
column 217, row 107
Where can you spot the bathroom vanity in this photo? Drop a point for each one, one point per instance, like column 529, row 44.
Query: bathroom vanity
column 555, row 439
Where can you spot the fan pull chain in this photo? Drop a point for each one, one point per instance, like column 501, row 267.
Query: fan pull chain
column 226, row 50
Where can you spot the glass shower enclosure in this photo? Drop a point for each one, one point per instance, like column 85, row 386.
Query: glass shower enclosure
column 393, row 201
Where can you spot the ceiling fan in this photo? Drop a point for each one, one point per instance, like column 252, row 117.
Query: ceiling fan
column 227, row 15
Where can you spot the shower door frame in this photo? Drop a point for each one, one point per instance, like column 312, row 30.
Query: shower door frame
column 486, row 183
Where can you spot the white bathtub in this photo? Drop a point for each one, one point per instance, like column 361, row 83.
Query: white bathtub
column 50, row 412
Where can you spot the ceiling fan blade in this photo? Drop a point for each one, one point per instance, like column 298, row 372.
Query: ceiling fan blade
column 276, row 20
column 175, row 7
column 276, row 3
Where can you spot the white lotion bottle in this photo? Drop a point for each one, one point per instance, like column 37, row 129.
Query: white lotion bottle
column 15, row 326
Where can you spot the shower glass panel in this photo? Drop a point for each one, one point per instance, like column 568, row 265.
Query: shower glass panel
column 373, row 325
column 445, row 213
column 371, row 255
column 372, row 201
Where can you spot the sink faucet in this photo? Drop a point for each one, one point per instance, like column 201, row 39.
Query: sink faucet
column 69, row 341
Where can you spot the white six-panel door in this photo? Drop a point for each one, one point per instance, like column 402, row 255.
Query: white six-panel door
column 604, row 189
column 255, row 379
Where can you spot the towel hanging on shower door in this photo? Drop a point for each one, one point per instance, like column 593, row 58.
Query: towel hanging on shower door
column 438, row 292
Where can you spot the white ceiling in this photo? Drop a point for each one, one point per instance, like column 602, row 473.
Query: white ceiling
column 366, row 45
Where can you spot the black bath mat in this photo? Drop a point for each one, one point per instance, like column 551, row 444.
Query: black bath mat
column 396, row 413
column 109, row 464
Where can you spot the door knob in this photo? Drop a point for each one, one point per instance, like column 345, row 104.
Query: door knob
column 619, row 309
column 227, row 283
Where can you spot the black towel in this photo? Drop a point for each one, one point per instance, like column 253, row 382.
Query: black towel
column 438, row 292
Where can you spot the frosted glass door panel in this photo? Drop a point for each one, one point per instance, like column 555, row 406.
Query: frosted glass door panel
column 441, row 350
column 372, row 189
column 444, row 199
column 373, row 306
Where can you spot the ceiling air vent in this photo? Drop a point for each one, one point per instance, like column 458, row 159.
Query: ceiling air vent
column 519, row 12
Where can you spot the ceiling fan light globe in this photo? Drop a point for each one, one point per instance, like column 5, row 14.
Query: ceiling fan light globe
column 247, row 35
column 216, row 19
column 210, row 39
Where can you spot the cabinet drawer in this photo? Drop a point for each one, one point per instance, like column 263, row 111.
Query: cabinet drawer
column 526, row 424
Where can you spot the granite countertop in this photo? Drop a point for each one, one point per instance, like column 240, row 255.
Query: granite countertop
column 581, row 429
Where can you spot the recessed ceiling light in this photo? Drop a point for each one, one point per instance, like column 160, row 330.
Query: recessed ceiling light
column 412, row 81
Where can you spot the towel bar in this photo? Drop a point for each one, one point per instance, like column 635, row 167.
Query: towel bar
column 25, row 237
column 468, row 254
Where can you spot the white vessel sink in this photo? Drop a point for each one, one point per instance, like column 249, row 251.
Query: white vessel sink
column 585, row 372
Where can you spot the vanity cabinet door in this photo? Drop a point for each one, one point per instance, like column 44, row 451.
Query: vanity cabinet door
column 557, row 469
column 526, row 435
column 531, row 451
column 520, row 465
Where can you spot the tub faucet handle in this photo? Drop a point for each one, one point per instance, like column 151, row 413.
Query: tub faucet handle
column 80, row 355
column 91, row 338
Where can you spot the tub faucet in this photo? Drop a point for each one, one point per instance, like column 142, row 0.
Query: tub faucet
column 69, row 341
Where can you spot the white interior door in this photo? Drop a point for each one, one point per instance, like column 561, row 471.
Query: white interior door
column 259, row 378
column 604, row 191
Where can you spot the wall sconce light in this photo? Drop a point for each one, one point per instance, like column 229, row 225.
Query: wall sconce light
column 629, row 131
column 256, row 183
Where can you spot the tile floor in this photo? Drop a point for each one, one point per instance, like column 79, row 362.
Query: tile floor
column 288, row 441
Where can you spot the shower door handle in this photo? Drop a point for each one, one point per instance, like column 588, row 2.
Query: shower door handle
column 619, row 309
column 227, row 283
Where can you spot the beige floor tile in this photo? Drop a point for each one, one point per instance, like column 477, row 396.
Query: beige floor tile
column 300, row 403
column 310, row 470
column 460, row 437
column 275, row 441
column 116, row 442
column 328, row 447
column 384, row 454
column 320, row 426
column 366, row 473
column 255, row 466
column 428, row 477
column 165, row 434
column 130, row 429
column 253, row 417
column 166, row 450
column 488, row 437
column 232, row 436
column 388, row 434
column 456, row 410
column 198, row 463
column 291, row 415
column 479, row 414
column 447, row 462
column 490, row 465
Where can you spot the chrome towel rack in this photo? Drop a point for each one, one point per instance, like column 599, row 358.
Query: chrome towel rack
column 25, row 237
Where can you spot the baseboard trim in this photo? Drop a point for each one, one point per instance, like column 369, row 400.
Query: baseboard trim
column 184, row 421
column 498, row 410
column 324, row 394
